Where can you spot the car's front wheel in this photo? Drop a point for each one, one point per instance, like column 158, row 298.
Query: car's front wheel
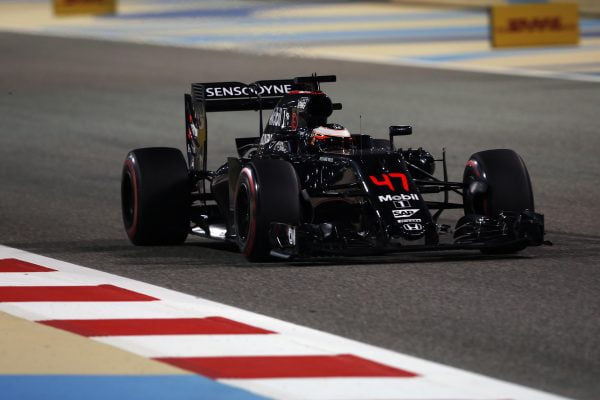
column 497, row 181
column 267, row 191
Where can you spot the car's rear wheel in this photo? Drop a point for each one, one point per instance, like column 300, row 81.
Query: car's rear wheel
column 497, row 181
column 155, row 196
column 267, row 191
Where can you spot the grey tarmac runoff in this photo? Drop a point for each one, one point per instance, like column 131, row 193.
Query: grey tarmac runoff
column 71, row 109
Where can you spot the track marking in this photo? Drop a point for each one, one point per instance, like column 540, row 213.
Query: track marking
column 341, row 365
column 158, row 346
column 70, row 293
column 289, row 362
column 89, row 310
column 14, row 265
column 155, row 326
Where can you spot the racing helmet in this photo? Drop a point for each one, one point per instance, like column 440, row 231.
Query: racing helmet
column 299, row 111
column 331, row 138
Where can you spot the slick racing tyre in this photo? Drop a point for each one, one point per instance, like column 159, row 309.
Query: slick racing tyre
column 497, row 181
column 155, row 196
column 267, row 191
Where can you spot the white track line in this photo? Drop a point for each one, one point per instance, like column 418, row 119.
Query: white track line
column 213, row 345
column 36, row 311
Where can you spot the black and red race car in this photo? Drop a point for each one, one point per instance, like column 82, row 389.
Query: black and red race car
column 305, row 187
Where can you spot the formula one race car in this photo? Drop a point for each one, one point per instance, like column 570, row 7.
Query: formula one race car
column 306, row 187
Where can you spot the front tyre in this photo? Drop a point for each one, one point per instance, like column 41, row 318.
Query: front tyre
column 497, row 181
column 267, row 191
column 155, row 196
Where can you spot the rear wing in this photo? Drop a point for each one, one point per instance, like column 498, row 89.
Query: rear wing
column 235, row 96
column 260, row 95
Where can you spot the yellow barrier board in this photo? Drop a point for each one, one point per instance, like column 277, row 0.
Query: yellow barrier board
column 534, row 24
column 91, row 7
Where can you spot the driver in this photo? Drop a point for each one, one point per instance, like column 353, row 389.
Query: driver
column 331, row 138
column 305, row 112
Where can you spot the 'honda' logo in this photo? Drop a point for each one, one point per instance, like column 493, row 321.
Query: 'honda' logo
column 413, row 227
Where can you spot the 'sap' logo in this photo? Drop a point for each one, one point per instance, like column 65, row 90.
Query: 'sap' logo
column 404, row 213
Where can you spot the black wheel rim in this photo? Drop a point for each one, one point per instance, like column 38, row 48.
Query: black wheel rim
column 242, row 213
column 127, row 199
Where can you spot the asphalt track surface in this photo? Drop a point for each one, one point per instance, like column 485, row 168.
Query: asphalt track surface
column 71, row 109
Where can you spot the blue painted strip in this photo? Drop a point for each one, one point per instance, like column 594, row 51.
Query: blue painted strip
column 589, row 23
column 240, row 16
column 246, row 17
column 587, row 29
column 413, row 16
column 164, row 34
column 249, row 21
column 464, row 32
column 233, row 12
column 469, row 31
column 115, row 387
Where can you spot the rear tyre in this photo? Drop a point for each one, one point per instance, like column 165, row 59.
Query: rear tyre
column 497, row 181
column 155, row 196
column 267, row 191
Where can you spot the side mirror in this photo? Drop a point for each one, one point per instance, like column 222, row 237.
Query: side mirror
column 399, row 130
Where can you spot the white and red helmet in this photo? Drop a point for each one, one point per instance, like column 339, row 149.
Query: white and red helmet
column 331, row 137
